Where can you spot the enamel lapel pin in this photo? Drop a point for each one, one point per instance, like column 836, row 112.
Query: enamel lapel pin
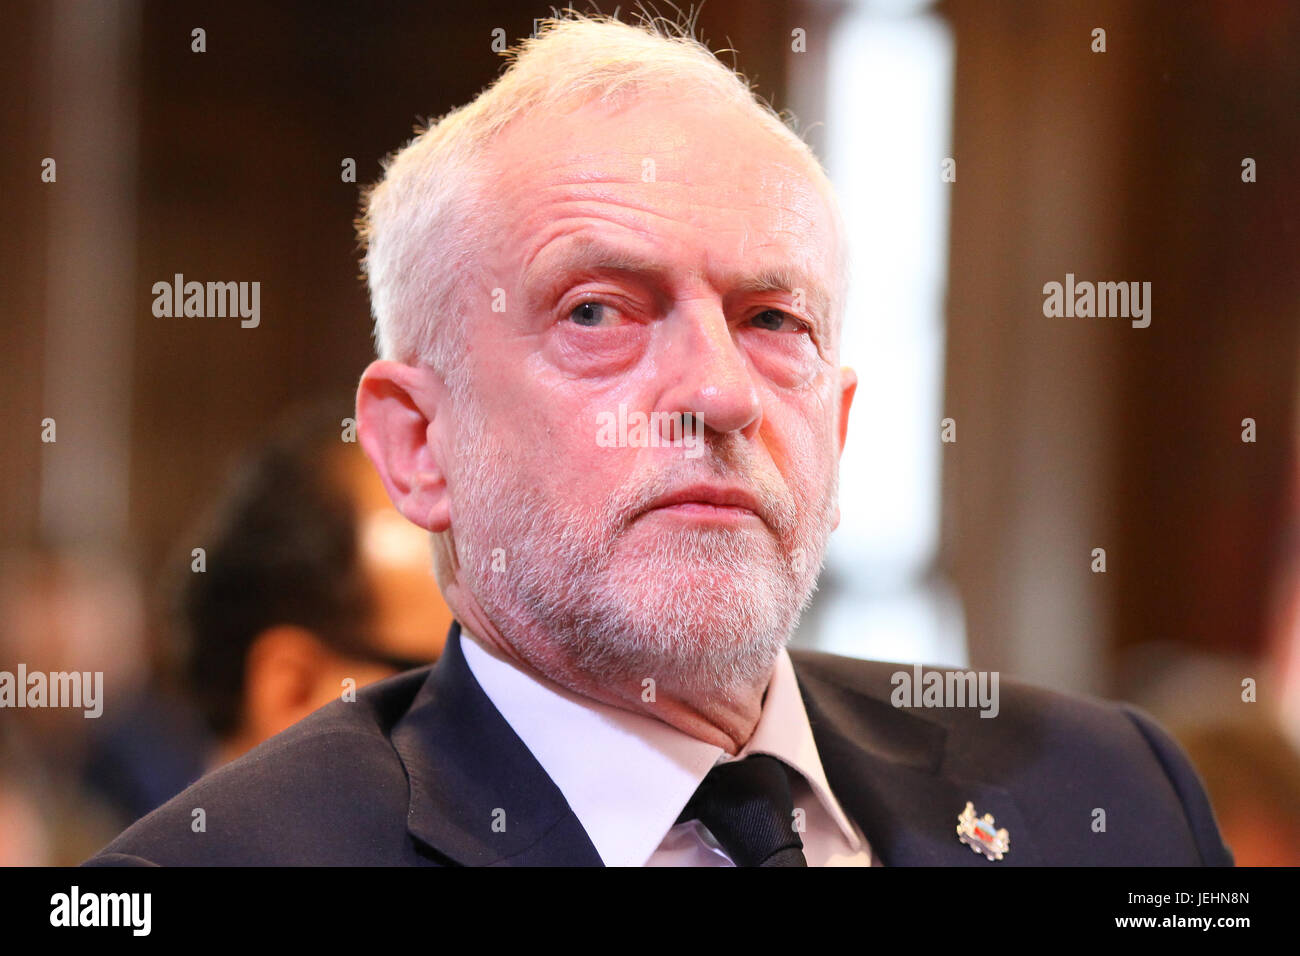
column 978, row 834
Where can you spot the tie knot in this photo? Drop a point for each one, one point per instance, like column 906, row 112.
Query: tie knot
column 748, row 807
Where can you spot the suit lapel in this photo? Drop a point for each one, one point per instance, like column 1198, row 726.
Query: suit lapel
column 468, row 770
column 478, row 796
column 885, row 766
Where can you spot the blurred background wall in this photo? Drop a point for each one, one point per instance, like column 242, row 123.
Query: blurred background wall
column 1072, row 434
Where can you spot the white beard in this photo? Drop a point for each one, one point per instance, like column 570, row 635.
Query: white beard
column 700, row 610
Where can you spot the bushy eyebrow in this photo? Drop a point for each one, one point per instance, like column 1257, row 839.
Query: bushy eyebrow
column 584, row 254
column 785, row 279
column 594, row 255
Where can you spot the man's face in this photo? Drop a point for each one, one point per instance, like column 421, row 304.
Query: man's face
column 657, row 260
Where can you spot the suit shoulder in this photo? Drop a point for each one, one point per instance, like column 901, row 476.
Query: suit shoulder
column 897, row 684
column 329, row 789
column 962, row 700
column 1086, row 752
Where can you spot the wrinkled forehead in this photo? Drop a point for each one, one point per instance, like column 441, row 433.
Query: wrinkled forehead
column 663, row 168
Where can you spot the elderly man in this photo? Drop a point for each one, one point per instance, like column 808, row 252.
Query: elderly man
column 608, row 297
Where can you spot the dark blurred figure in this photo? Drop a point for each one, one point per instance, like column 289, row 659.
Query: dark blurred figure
column 309, row 580
column 312, row 584
column 77, row 609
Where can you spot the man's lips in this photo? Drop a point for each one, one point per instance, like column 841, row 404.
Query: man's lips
column 705, row 502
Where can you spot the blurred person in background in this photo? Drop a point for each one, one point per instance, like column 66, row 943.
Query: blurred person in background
column 311, row 585
column 310, row 580
column 65, row 610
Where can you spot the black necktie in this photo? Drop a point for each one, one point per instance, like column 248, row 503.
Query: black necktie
column 746, row 805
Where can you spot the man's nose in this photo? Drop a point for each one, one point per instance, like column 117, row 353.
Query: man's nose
column 710, row 376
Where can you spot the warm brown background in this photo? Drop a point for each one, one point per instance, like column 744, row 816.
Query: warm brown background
column 1074, row 433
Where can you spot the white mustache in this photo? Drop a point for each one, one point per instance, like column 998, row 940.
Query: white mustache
column 774, row 505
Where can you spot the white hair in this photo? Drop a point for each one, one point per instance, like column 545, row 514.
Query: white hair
column 421, row 224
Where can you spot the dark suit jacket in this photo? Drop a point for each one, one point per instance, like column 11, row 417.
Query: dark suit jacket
column 415, row 771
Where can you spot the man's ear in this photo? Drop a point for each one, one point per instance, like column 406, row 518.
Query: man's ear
column 398, row 423
column 848, row 387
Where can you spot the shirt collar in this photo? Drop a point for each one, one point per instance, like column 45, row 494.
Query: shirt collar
column 784, row 732
column 627, row 776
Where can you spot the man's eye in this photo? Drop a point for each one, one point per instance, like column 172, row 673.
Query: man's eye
column 774, row 320
column 588, row 313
